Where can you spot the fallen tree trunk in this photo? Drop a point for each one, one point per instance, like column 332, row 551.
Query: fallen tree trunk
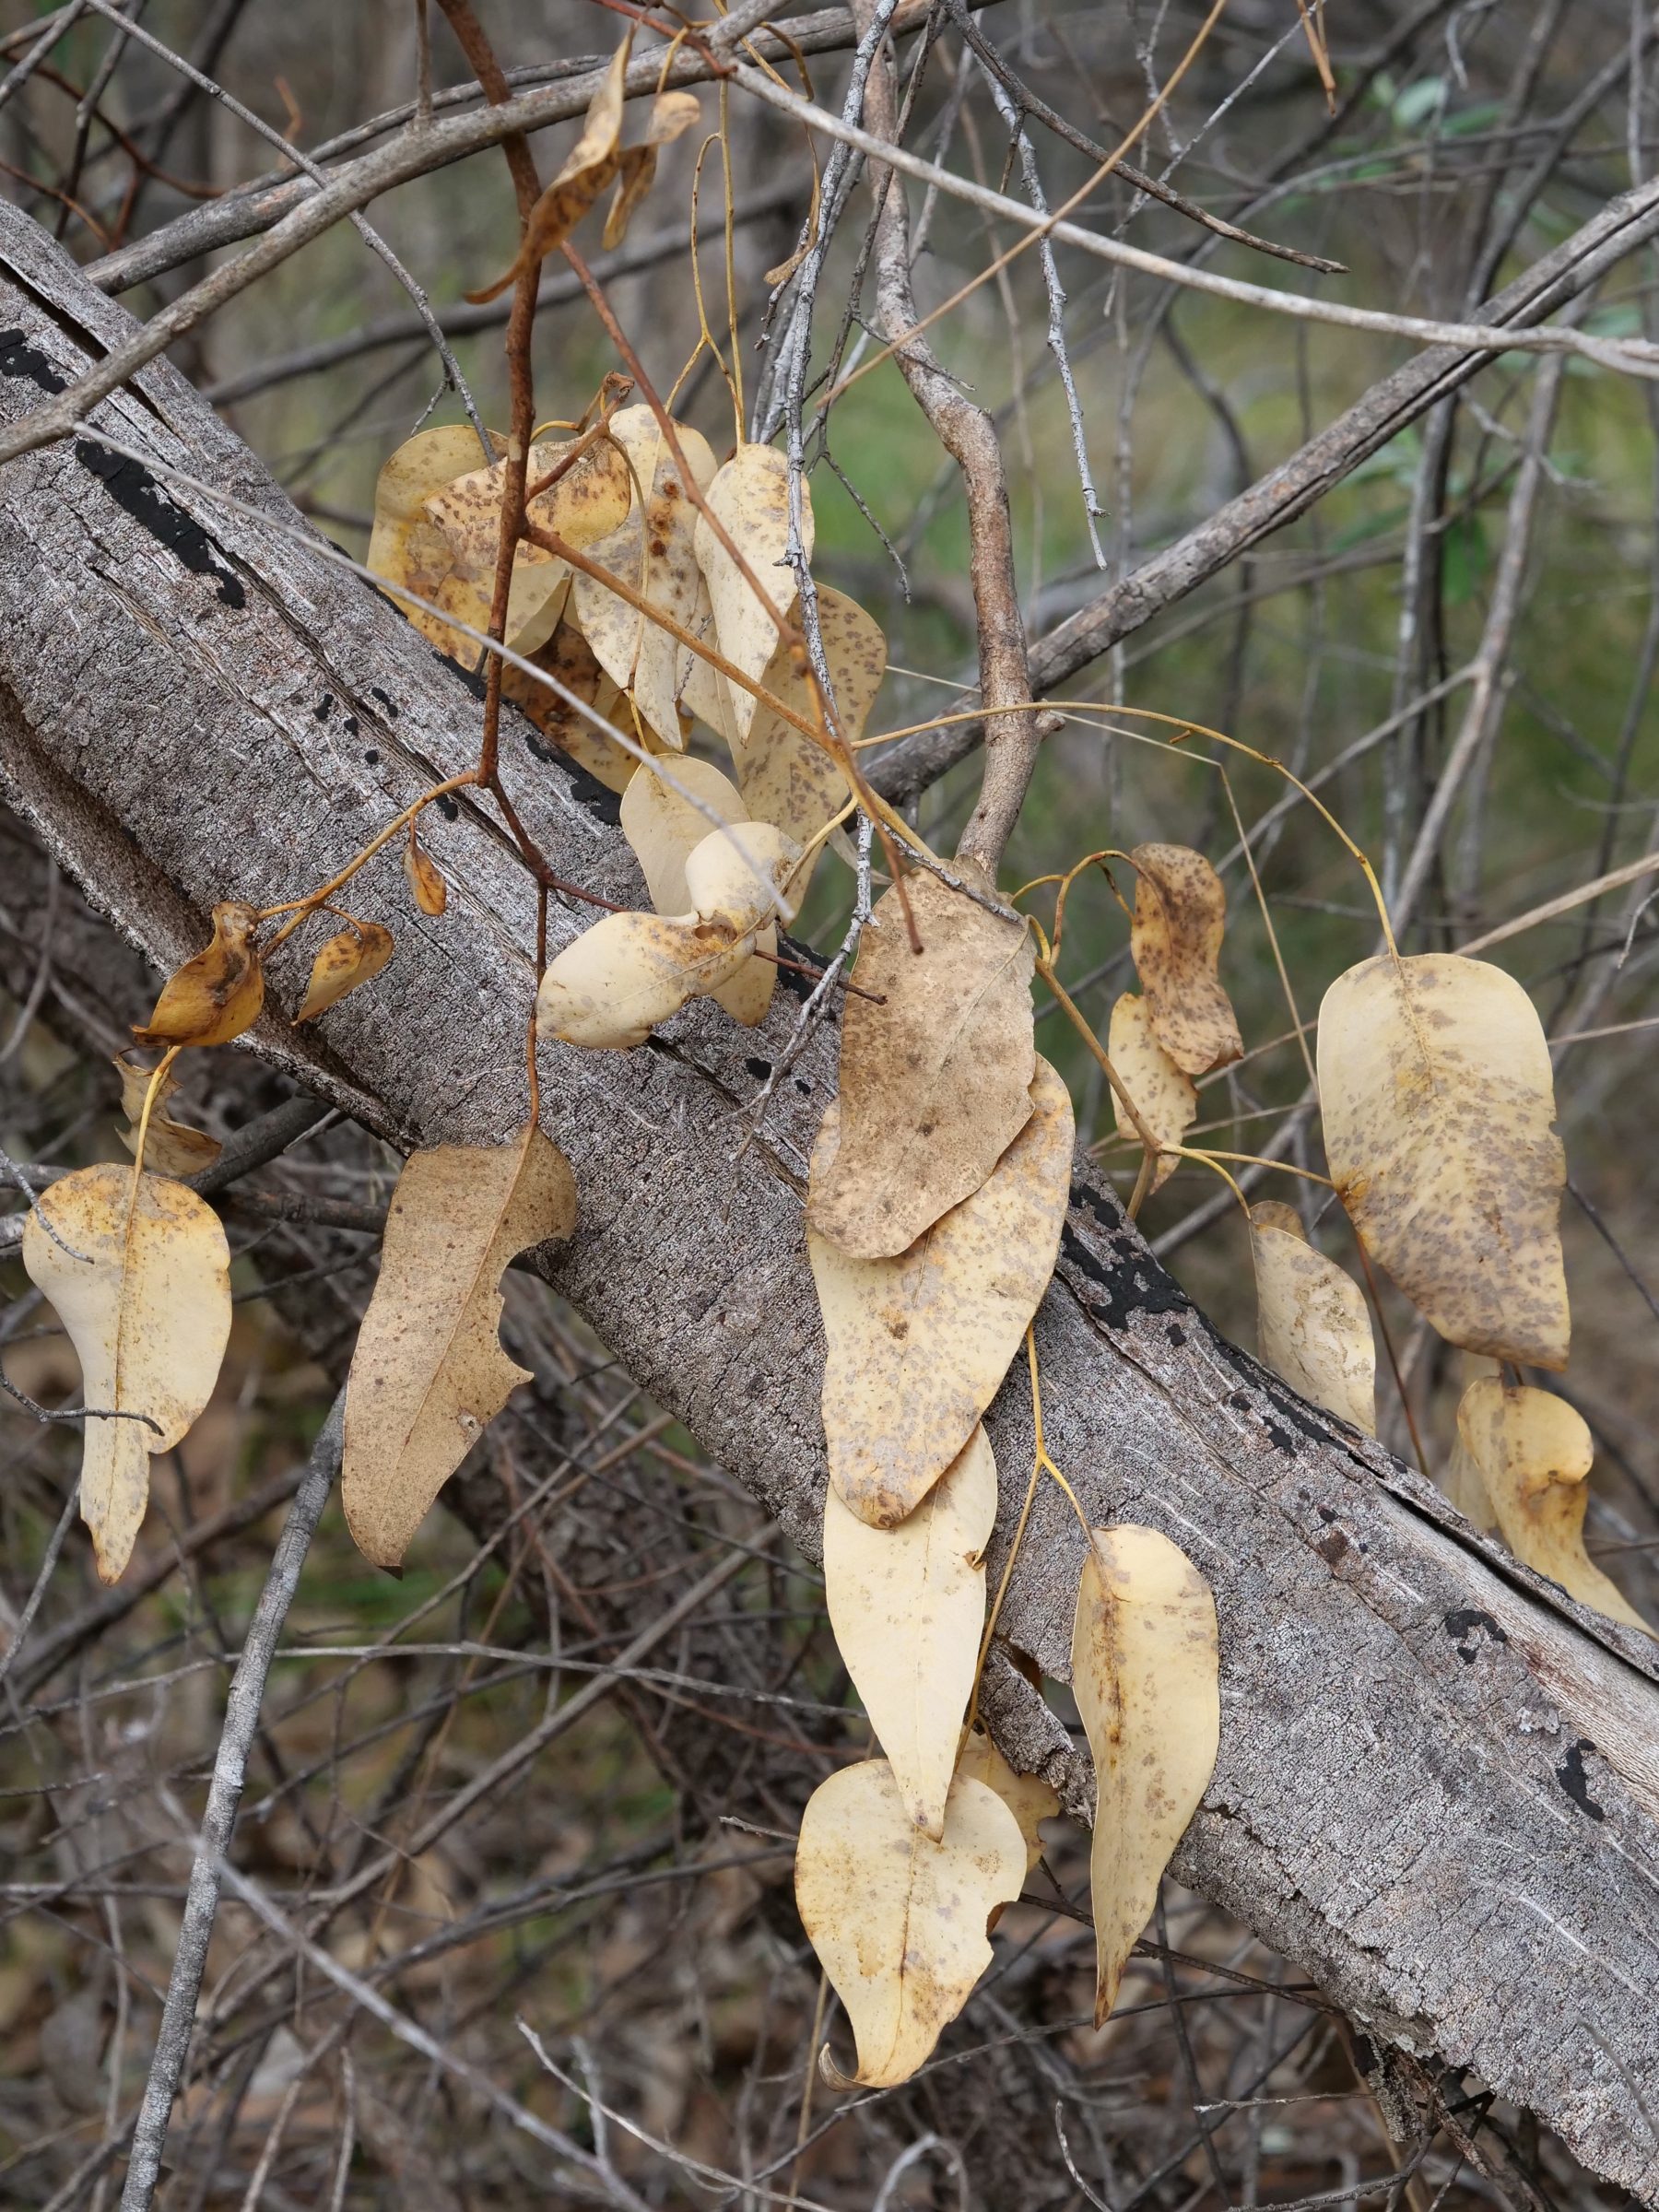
column 1439, row 1783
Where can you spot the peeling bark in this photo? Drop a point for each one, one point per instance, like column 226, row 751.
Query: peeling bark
column 1439, row 1783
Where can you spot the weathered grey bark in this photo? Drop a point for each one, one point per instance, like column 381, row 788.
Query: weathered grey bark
column 1439, row 1783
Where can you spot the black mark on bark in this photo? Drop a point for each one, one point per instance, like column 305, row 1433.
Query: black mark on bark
column 1576, row 1783
column 1471, row 1631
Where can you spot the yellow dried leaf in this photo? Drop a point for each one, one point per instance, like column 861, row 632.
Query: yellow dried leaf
column 1146, row 1675
column 355, row 956
column 1534, row 1451
column 1313, row 1325
column 428, row 1374
column 1027, row 1796
column 663, row 824
column 427, row 887
column 653, row 550
column 1439, row 1105
column 896, row 1919
column 672, row 114
column 568, row 658
column 170, row 1147
column 747, row 997
column 1175, row 942
column 1465, row 1487
column 611, row 986
column 1163, row 1093
column 699, row 690
column 907, row 1605
column 406, row 548
column 148, row 1309
column 936, row 1079
column 784, row 776
column 739, row 874
column 749, row 495
column 217, row 995
column 918, row 1343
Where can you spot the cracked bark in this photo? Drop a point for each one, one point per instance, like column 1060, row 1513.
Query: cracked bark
column 1439, row 1783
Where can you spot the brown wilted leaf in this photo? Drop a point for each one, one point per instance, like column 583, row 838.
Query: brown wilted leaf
column 898, row 1919
column 567, row 657
column 749, row 495
column 1163, row 1093
column 653, row 550
column 672, row 114
column 1175, row 942
column 356, row 955
column 1534, row 1451
column 1439, row 1103
column 919, row 1344
column 1313, row 1325
column 588, row 169
column 428, row 1374
column 148, row 1309
column 935, row 1080
column 427, row 887
column 406, row 548
column 217, row 995
column 170, row 1147
column 1027, row 1796
column 1146, row 1672
column 907, row 1605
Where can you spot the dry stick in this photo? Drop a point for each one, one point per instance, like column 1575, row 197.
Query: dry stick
column 224, row 1796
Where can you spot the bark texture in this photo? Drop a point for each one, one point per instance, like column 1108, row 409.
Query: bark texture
column 1439, row 1783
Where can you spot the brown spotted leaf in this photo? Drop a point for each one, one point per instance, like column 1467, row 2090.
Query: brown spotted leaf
column 750, row 497
column 217, row 995
column 1175, row 941
column 170, row 1147
column 919, row 1342
column 569, row 659
column 907, row 1605
column 898, row 1919
column 1163, row 1093
column 935, row 1079
column 146, row 1305
column 1439, row 1103
column 353, row 958
column 1146, row 1675
column 428, row 1374
column 406, row 548
column 1534, row 1453
column 1313, row 1325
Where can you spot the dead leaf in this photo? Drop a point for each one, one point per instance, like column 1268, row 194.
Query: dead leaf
column 147, row 1310
column 406, row 548
column 1175, row 942
column 672, row 114
column 217, row 995
column 750, row 497
column 737, row 875
column 663, row 826
column 898, row 1919
column 1146, row 1675
column 170, row 1147
column 628, row 974
column 1438, row 1104
column 907, row 1605
column 653, row 550
column 427, row 887
column 919, row 1344
column 428, row 1374
column 353, row 958
column 588, row 169
column 569, row 659
column 1313, row 1325
column 1027, row 1796
column 1163, row 1093
column 786, row 777
column 1534, row 1451
column 935, row 1080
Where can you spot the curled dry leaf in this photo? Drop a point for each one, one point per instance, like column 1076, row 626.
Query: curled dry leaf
column 1312, row 1327
column 898, row 1919
column 907, row 1605
column 653, row 549
column 569, row 659
column 428, row 1374
column 170, row 1147
column 148, row 1309
column 1027, row 1796
column 1163, row 1093
column 1439, row 1105
column 918, row 1343
column 621, row 979
column 1146, row 1675
column 786, row 777
column 672, row 114
column 936, row 1080
column 749, row 495
column 663, row 823
column 588, row 169
column 1175, row 942
column 217, row 995
column 355, row 956
column 737, row 875
column 427, row 887
column 1534, row 1453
